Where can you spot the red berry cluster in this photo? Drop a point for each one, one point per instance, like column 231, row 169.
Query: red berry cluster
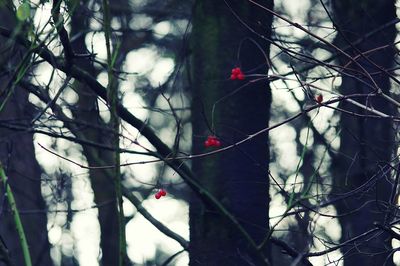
column 212, row 141
column 319, row 98
column 160, row 193
column 237, row 74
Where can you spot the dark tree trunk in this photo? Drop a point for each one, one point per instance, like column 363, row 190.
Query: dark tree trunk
column 366, row 143
column 238, row 177
column 17, row 155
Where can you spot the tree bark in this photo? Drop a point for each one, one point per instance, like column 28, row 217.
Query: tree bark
column 366, row 143
column 238, row 177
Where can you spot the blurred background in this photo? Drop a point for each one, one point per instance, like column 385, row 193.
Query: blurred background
column 152, row 45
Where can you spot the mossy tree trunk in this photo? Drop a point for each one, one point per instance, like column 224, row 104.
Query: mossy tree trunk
column 366, row 143
column 238, row 177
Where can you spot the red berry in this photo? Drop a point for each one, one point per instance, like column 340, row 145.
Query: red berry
column 163, row 192
column 207, row 143
column 236, row 71
column 212, row 142
column 217, row 143
column 240, row 76
column 157, row 195
column 319, row 98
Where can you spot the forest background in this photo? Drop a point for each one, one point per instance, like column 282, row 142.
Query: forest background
column 229, row 132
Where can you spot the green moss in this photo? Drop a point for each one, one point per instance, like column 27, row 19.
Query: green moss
column 205, row 41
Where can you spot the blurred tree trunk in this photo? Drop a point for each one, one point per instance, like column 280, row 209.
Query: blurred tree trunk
column 238, row 177
column 17, row 154
column 93, row 128
column 366, row 144
column 100, row 131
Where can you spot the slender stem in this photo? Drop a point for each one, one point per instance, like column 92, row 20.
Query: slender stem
column 112, row 97
column 17, row 219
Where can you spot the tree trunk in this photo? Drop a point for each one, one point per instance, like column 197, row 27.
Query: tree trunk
column 96, row 130
column 17, row 155
column 238, row 177
column 366, row 143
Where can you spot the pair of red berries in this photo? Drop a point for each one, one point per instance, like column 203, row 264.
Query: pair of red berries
column 160, row 193
column 212, row 141
column 237, row 74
